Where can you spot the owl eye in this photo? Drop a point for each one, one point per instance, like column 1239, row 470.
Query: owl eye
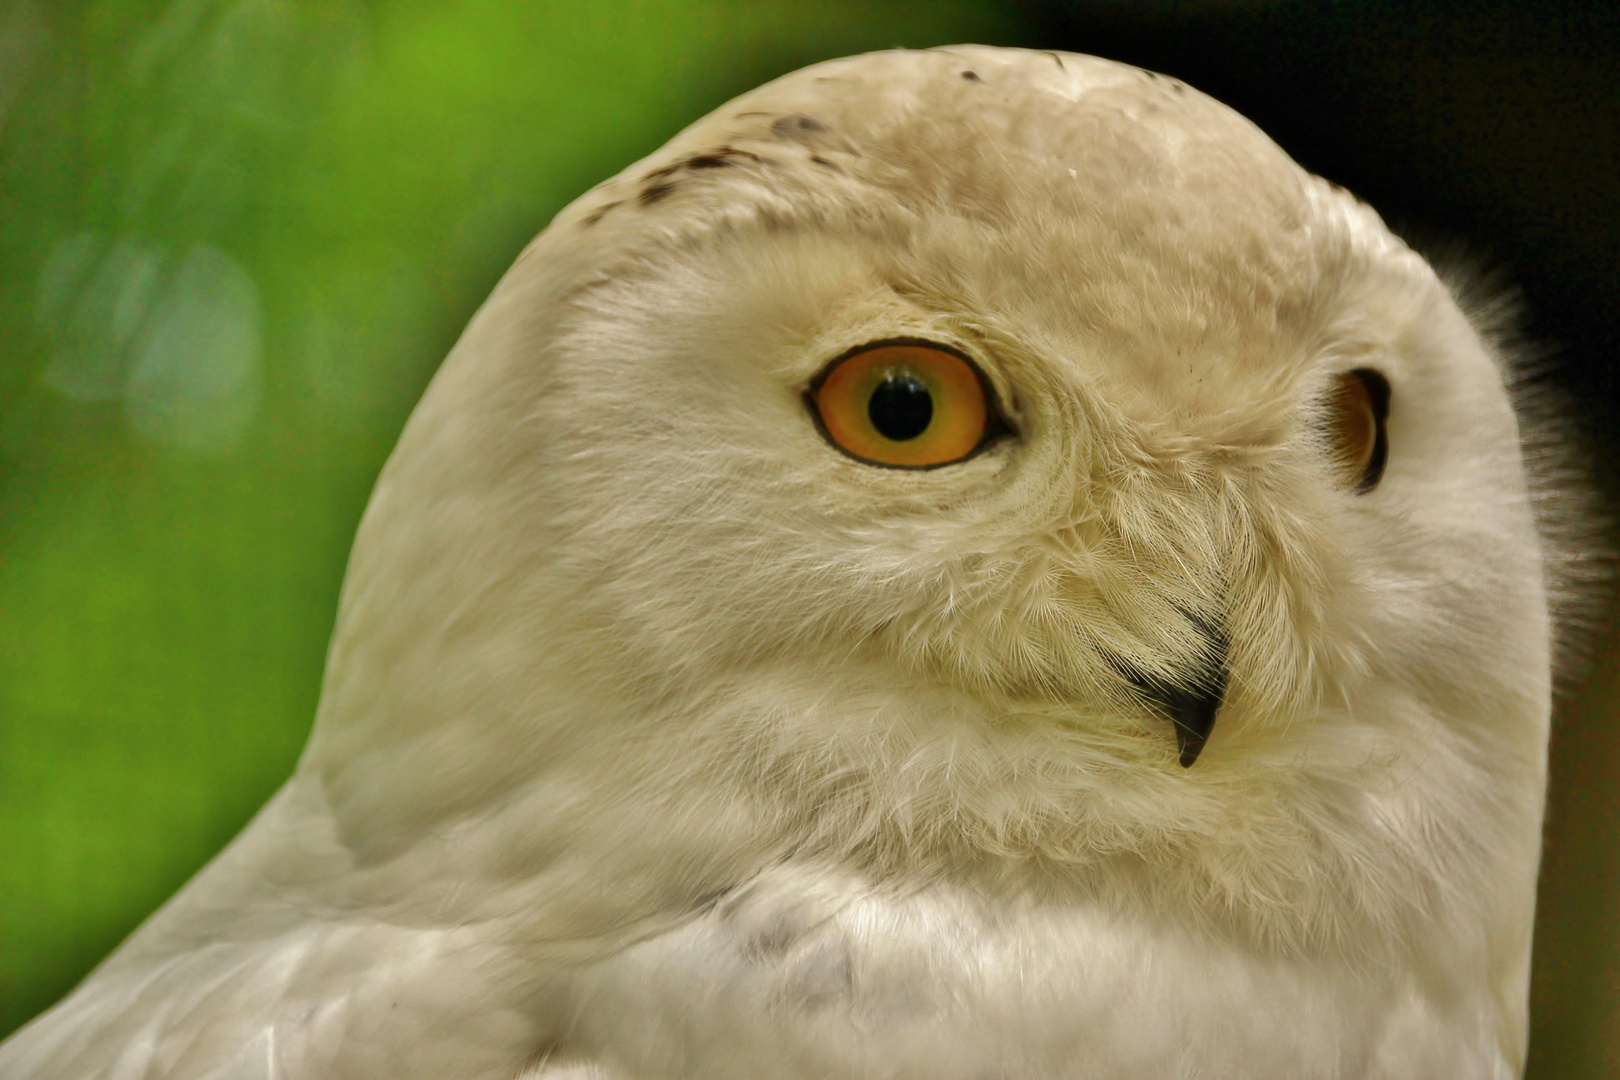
column 1357, row 409
column 907, row 406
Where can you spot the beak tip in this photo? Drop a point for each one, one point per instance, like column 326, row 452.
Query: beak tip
column 1190, row 744
column 1194, row 718
column 1190, row 706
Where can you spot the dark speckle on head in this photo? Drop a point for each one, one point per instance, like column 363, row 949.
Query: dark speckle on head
column 972, row 76
column 653, row 192
column 819, row 160
column 797, row 127
column 596, row 215
column 716, row 159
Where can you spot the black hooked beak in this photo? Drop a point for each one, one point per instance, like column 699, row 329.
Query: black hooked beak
column 1191, row 705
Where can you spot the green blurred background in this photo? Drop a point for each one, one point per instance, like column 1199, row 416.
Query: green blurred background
column 236, row 236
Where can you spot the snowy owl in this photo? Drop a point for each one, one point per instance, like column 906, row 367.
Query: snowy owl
column 965, row 563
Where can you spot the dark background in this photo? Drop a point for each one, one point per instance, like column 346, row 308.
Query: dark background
column 236, row 236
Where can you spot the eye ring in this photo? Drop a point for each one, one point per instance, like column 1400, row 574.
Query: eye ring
column 905, row 403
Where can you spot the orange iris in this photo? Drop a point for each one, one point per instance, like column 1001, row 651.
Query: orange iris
column 906, row 406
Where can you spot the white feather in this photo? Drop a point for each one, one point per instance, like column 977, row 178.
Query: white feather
column 661, row 740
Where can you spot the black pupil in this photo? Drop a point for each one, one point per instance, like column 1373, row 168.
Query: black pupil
column 901, row 407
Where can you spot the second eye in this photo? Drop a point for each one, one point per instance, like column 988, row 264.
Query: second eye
column 903, row 405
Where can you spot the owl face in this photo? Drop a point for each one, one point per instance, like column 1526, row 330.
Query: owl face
column 1053, row 528
column 1170, row 408
column 982, row 451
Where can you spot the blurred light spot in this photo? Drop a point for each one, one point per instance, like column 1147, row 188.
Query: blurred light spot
column 196, row 381
column 93, row 299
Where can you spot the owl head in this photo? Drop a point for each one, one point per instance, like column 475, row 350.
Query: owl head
column 972, row 462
